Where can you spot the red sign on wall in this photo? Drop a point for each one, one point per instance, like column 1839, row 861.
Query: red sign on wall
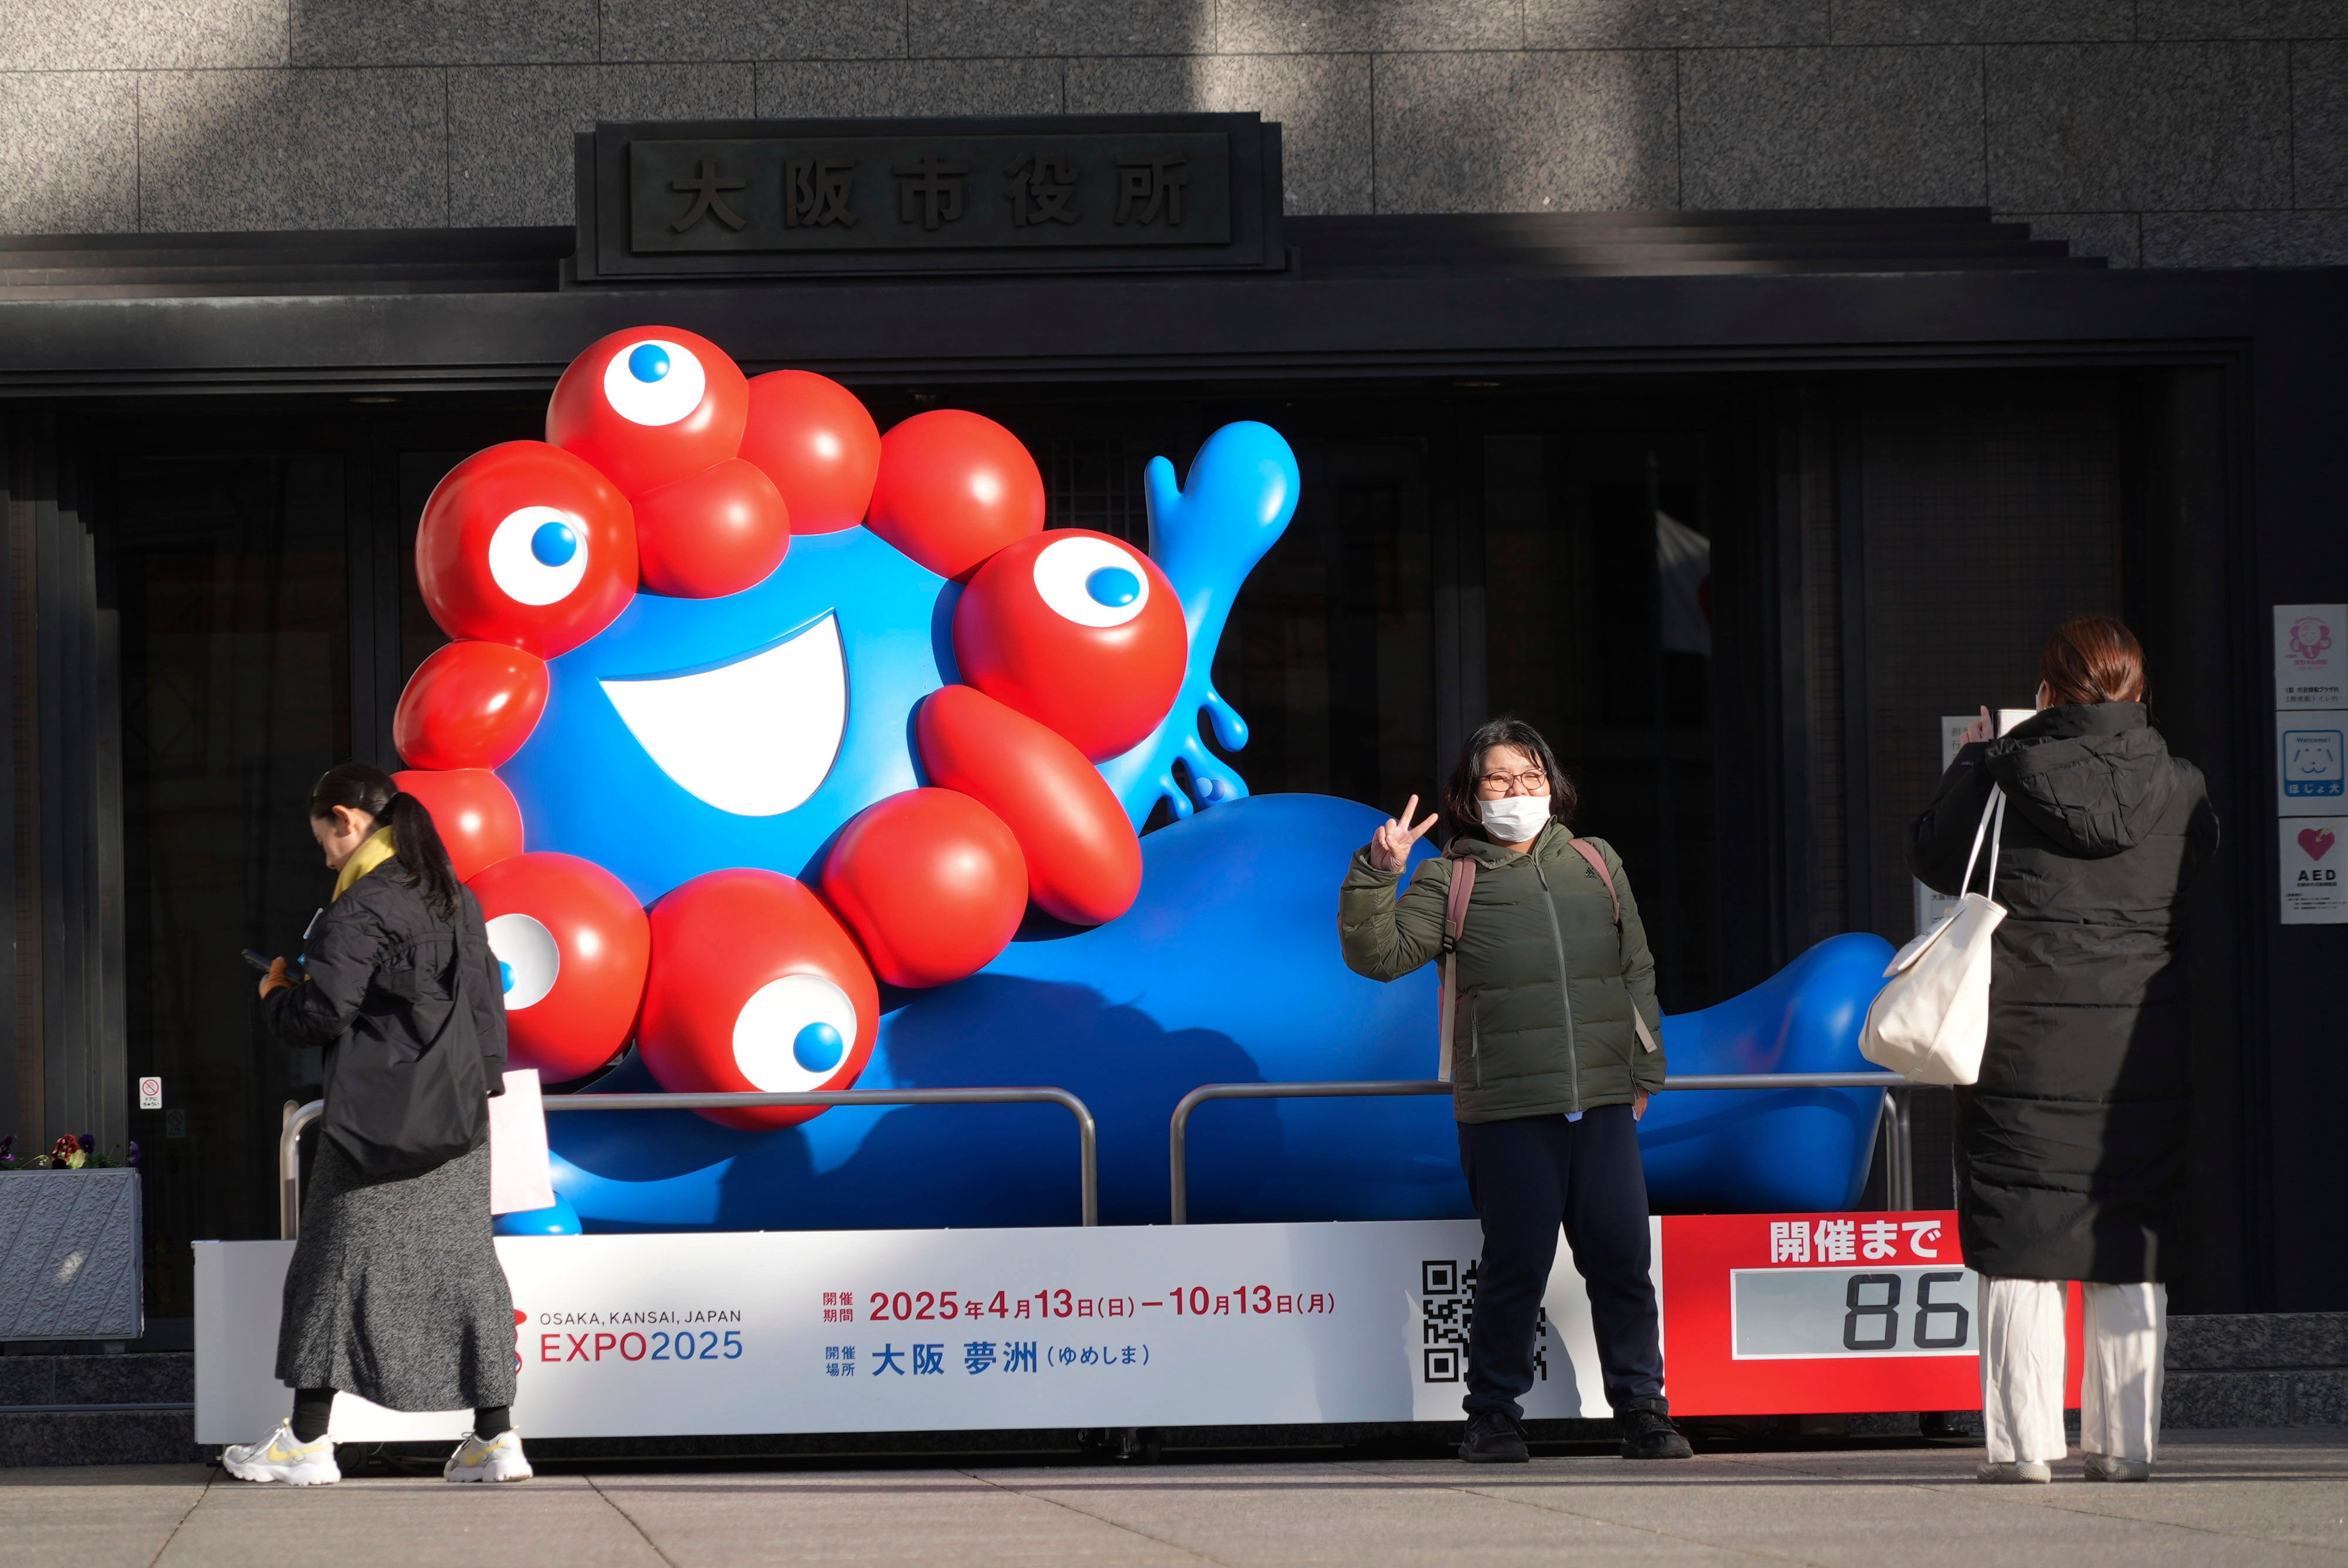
column 1814, row 1314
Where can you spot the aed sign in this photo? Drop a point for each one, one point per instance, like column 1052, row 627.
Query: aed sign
column 864, row 1331
column 2313, row 853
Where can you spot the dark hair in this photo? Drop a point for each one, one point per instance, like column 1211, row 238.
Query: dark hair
column 2091, row 659
column 1460, row 817
column 415, row 840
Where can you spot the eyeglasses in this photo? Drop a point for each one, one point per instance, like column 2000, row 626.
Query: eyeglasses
column 1531, row 781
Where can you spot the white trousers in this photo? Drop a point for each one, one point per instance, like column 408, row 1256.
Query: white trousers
column 2127, row 1334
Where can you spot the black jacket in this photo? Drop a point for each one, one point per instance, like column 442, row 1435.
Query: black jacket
column 411, row 1013
column 2070, row 1147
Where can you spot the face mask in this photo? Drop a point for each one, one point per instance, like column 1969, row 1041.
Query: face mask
column 1512, row 819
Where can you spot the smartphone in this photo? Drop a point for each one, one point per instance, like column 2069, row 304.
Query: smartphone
column 256, row 960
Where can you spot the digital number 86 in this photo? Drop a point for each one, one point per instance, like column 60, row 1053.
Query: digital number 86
column 1887, row 1311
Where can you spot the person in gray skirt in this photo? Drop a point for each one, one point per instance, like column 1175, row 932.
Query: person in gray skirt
column 395, row 1293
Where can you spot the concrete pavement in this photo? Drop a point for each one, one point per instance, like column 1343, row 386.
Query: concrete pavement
column 2251, row 1498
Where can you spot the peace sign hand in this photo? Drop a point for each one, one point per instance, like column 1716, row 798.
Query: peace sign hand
column 1390, row 845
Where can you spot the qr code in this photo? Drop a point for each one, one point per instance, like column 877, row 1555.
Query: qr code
column 1446, row 1310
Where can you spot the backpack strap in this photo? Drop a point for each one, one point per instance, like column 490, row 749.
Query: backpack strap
column 1455, row 921
column 1597, row 864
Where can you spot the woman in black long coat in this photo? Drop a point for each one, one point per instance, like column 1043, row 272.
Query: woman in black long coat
column 2071, row 1146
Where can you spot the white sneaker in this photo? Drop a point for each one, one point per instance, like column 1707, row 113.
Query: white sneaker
column 2104, row 1467
column 499, row 1459
column 278, row 1458
column 2028, row 1471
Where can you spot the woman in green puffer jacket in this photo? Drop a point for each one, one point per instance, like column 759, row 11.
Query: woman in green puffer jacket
column 1555, row 1051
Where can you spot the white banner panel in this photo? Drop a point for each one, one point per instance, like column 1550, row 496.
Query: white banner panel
column 942, row 1330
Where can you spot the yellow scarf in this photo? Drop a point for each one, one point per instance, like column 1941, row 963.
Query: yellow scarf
column 373, row 852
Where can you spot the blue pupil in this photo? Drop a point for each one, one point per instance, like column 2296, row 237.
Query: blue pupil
column 554, row 544
column 648, row 362
column 818, row 1047
column 505, row 975
column 1113, row 586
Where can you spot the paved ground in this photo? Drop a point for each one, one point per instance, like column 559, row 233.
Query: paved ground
column 2257, row 1498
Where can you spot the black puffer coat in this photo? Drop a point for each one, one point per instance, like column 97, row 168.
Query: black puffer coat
column 411, row 1013
column 2071, row 1148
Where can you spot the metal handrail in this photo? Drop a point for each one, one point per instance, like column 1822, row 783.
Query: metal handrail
column 1179, row 1131
column 1087, row 1134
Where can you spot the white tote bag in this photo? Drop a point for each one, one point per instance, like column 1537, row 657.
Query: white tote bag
column 521, row 1175
column 1931, row 1021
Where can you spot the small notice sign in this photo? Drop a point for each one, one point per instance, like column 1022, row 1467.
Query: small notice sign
column 2311, row 655
column 2314, row 852
column 150, row 1094
column 2310, row 764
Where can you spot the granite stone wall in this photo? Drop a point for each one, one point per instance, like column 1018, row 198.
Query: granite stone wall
column 2155, row 132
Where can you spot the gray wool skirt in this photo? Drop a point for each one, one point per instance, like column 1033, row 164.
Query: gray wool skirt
column 395, row 1293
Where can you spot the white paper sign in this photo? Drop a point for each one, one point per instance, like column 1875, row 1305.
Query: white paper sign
column 522, row 1176
column 2311, row 763
column 853, row 1331
column 2311, row 655
column 150, row 1094
column 2315, row 858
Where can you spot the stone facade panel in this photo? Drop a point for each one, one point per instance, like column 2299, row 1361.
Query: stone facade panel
column 1673, row 23
column 1322, row 26
column 2319, row 125
column 2245, row 238
column 509, row 142
column 442, row 32
column 1982, row 21
column 798, row 89
column 1832, row 128
column 293, row 149
column 2139, row 126
column 1322, row 102
column 1534, row 132
column 956, row 29
column 2241, row 19
column 661, row 30
column 69, row 153
column 140, row 34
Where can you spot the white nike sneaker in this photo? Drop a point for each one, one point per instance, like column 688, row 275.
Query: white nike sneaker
column 278, row 1458
column 499, row 1459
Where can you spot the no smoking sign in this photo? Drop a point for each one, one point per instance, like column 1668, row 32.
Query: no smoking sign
column 150, row 1094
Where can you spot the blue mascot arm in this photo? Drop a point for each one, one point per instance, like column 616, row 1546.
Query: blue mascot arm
column 1206, row 537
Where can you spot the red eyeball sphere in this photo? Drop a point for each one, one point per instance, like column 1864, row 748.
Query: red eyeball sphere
column 712, row 533
column 1084, row 861
column 648, row 406
column 954, row 487
column 1078, row 630
column 468, row 706
column 817, row 444
column 932, row 883
column 526, row 544
column 755, row 986
column 573, row 947
column 476, row 815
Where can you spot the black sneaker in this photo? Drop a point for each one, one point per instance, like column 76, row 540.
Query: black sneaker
column 1494, row 1439
column 1648, row 1432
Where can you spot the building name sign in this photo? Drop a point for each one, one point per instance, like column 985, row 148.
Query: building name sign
column 796, row 198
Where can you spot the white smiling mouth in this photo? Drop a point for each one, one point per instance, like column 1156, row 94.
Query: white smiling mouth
column 755, row 737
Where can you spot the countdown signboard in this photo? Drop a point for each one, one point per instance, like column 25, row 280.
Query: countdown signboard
column 1155, row 1325
column 1823, row 1314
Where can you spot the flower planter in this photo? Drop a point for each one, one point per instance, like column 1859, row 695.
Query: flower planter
column 70, row 1255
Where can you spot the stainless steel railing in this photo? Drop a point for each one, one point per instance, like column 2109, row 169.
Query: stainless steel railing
column 1898, row 1179
column 289, row 1143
